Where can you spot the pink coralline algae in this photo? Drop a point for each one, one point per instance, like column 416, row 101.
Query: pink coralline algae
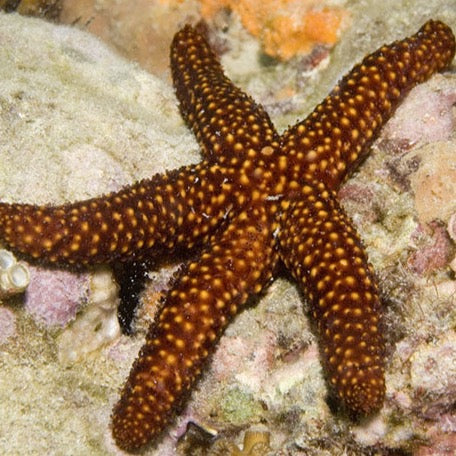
column 433, row 380
column 433, row 249
column 234, row 351
column 440, row 445
column 363, row 198
column 54, row 297
column 7, row 324
column 425, row 116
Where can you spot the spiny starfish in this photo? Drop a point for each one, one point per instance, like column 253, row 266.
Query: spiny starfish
column 256, row 199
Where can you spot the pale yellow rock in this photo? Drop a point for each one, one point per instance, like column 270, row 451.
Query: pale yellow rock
column 434, row 183
column 76, row 120
column 97, row 325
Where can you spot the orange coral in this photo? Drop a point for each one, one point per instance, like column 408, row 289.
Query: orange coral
column 285, row 27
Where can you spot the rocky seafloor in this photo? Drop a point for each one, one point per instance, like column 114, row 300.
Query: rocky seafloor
column 76, row 121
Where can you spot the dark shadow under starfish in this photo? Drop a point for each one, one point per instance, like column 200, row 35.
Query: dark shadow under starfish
column 256, row 199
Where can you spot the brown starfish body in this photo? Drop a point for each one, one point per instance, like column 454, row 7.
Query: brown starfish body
column 256, row 199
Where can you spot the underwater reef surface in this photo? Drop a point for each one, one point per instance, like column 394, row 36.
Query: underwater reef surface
column 76, row 121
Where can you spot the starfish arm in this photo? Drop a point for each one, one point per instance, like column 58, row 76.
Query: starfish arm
column 205, row 297
column 335, row 137
column 321, row 248
column 176, row 209
column 224, row 119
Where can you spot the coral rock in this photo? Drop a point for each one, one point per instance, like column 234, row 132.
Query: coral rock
column 54, row 297
column 286, row 28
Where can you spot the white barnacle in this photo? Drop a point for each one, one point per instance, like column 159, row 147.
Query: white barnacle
column 14, row 275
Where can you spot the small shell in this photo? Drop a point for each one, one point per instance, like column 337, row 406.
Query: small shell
column 14, row 275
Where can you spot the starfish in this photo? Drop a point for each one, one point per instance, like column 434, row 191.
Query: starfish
column 257, row 199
